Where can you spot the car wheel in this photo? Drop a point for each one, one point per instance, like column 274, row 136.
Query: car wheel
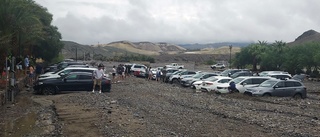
column 48, row 90
column 266, row 95
column 176, row 81
column 297, row 96
column 193, row 87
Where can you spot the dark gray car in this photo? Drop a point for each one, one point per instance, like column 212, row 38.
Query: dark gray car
column 280, row 88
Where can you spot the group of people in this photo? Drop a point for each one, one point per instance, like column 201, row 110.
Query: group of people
column 120, row 72
column 23, row 66
column 159, row 75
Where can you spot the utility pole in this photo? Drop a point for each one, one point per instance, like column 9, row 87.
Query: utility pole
column 230, row 47
column 76, row 54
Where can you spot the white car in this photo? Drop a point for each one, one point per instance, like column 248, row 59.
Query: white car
column 176, row 78
column 138, row 67
column 64, row 71
column 211, row 83
column 242, row 83
column 218, row 65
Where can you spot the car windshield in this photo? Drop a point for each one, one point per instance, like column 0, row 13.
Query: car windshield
column 226, row 72
column 237, row 80
column 58, row 71
column 213, row 79
column 268, row 83
column 177, row 72
column 198, row 75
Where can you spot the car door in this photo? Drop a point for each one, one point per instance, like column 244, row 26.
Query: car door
column 245, row 84
column 85, row 82
column 290, row 89
column 279, row 89
column 69, row 83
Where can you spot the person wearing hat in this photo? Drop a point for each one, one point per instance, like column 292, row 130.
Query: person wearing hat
column 97, row 77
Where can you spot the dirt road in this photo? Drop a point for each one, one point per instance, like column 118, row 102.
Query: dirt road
column 137, row 107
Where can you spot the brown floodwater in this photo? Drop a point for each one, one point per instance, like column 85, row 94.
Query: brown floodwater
column 19, row 127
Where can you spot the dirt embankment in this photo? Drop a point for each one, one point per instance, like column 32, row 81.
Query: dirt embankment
column 137, row 107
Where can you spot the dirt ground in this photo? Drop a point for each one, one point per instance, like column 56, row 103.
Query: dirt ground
column 136, row 107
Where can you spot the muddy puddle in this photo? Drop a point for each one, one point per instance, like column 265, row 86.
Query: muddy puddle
column 19, row 127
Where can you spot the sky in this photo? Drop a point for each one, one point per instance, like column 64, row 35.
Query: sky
column 182, row 21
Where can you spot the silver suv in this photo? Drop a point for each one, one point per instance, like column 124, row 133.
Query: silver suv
column 280, row 88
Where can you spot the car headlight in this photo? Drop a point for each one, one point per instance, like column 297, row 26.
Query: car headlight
column 40, row 83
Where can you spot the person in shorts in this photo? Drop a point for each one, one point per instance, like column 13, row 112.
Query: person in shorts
column 31, row 75
column 97, row 77
column 114, row 71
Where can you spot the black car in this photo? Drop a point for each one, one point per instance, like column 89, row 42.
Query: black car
column 74, row 81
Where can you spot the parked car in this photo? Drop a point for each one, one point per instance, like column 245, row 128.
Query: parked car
column 61, row 65
column 210, row 83
column 138, row 67
column 280, row 88
column 266, row 73
column 299, row 77
column 187, row 82
column 176, row 78
column 280, row 76
column 65, row 71
column 229, row 72
column 241, row 73
column 78, row 66
column 175, row 66
column 242, row 83
column 218, row 65
column 173, row 72
column 138, row 70
column 75, row 81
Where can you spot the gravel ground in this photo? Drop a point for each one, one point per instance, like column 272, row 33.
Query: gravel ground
column 136, row 107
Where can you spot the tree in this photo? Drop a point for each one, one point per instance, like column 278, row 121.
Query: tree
column 24, row 27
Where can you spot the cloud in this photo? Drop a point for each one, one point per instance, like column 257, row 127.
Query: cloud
column 182, row 21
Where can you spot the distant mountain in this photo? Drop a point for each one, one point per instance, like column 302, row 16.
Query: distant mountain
column 214, row 45
column 73, row 49
column 146, row 48
column 308, row 36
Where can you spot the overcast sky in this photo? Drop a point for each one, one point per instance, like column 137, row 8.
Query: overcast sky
column 183, row 21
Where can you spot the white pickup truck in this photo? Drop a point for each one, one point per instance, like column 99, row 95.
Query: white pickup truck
column 175, row 65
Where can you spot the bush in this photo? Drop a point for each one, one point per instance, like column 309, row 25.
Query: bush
column 210, row 62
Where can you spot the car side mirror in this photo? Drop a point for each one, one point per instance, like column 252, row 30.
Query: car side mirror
column 276, row 86
column 64, row 80
column 244, row 84
column 200, row 78
column 62, row 74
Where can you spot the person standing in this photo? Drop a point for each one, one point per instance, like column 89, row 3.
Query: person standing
column 150, row 74
column 97, row 77
column 39, row 70
column 114, row 72
column 158, row 75
column 31, row 75
column 164, row 73
column 19, row 65
column 26, row 63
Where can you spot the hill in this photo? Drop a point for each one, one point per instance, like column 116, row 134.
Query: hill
column 146, row 48
column 306, row 37
column 73, row 49
column 214, row 45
